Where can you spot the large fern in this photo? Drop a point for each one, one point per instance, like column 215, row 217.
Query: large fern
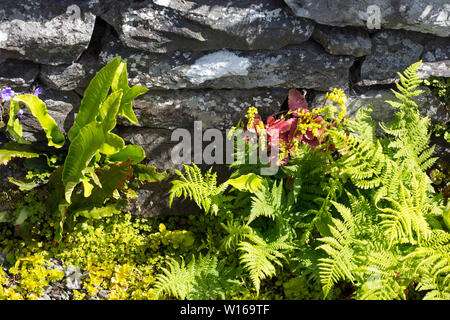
column 260, row 258
column 203, row 278
column 201, row 188
column 387, row 244
column 368, row 207
column 411, row 143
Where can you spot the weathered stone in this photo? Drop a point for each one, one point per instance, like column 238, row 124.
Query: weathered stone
column 437, row 49
column 18, row 75
column 61, row 106
column 156, row 143
column 63, row 77
column 219, row 109
column 46, row 31
column 432, row 16
column 164, row 25
column 434, row 69
column 303, row 66
column 343, row 41
column 392, row 52
column 436, row 57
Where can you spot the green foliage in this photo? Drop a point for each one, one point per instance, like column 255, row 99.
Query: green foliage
column 365, row 203
column 259, row 257
column 94, row 96
column 202, row 189
column 97, row 161
column 39, row 110
column 203, row 278
column 120, row 255
column 385, row 231
column 31, row 274
column 355, row 217
column 439, row 86
column 12, row 150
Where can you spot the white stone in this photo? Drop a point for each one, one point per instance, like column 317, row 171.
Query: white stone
column 217, row 65
column 3, row 36
column 162, row 3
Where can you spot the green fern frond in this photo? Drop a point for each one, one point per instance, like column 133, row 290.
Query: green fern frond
column 404, row 219
column 363, row 124
column 409, row 81
column 259, row 257
column 201, row 279
column 381, row 289
column 202, row 189
column 175, row 280
column 363, row 161
column 266, row 202
column 236, row 232
column 339, row 248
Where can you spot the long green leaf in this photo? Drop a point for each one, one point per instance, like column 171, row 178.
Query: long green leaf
column 135, row 153
column 120, row 82
column 149, row 173
column 25, row 185
column 14, row 127
column 126, row 107
column 249, row 182
column 112, row 144
column 81, row 151
column 94, row 96
column 15, row 150
column 102, row 212
column 39, row 110
column 108, row 110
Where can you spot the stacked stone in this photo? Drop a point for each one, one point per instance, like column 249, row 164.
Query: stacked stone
column 210, row 60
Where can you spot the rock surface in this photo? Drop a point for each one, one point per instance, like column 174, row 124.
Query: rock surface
column 432, row 16
column 63, row 77
column 391, row 52
column 198, row 25
column 18, row 75
column 306, row 65
column 221, row 109
column 46, row 31
column 343, row 41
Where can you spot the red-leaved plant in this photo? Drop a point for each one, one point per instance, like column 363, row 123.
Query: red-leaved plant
column 298, row 125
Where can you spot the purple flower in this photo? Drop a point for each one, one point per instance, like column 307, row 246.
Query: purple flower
column 38, row 91
column 7, row 94
column 20, row 114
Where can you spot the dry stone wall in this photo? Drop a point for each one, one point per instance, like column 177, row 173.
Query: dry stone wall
column 211, row 60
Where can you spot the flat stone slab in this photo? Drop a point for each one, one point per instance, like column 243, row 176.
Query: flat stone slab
column 431, row 16
column 46, row 31
column 17, row 74
column 343, row 41
column 198, row 25
column 303, row 66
